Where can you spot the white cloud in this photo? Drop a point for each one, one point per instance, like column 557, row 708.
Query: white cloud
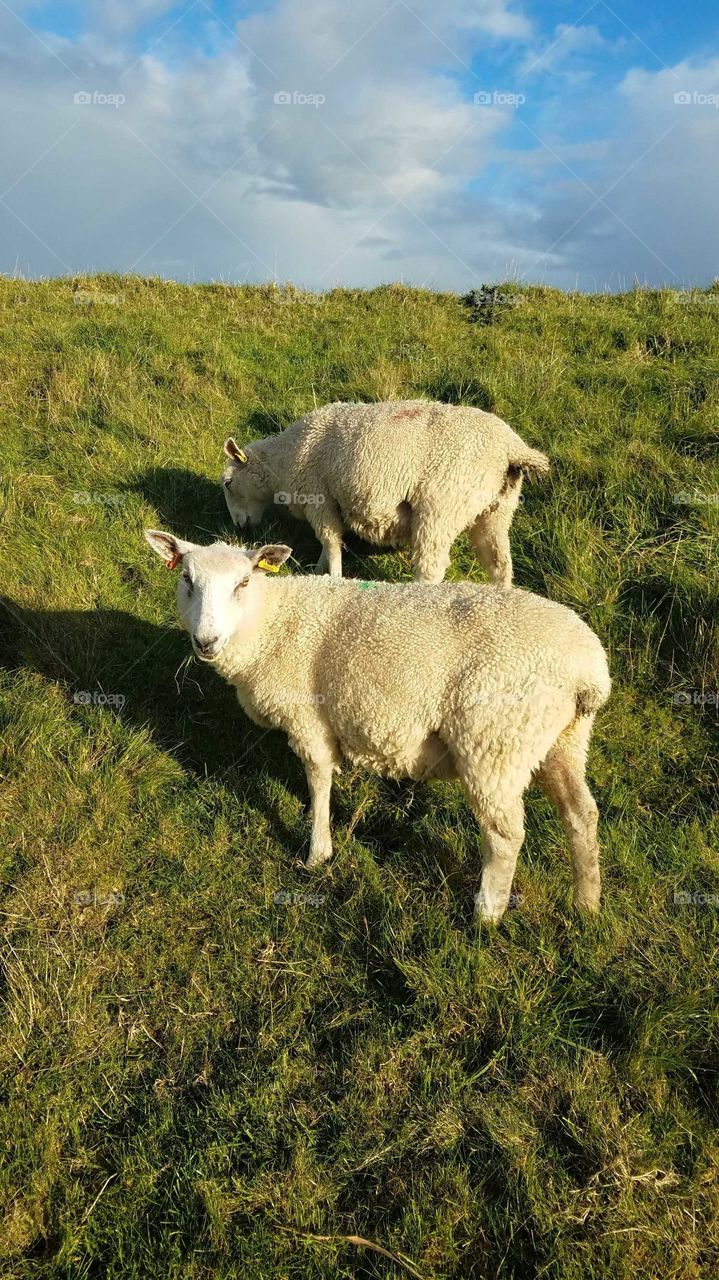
column 660, row 187
column 567, row 45
column 127, row 15
column 396, row 174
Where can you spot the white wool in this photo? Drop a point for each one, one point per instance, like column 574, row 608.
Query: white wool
column 402, row 473
column 484, row 685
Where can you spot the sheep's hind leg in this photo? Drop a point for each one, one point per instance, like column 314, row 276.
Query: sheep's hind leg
column 319, row 781
column 502, row 838
column 561, row 777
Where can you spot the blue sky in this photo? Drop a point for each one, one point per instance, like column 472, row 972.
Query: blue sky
column 336, row 143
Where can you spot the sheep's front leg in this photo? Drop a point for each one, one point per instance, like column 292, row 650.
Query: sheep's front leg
column 330, row 560
column 323, row 564
column 431, row 544
column 319, row 781
column 326, row 522
column 489, row 536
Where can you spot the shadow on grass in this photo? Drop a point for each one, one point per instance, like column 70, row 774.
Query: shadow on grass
column 396, row 829
column 139, row 670
column 688, row 615
column 187, row 504
column 263, row 422
column 193, row 507
column 448, row 391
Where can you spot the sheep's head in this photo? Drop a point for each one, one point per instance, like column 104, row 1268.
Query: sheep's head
column 219, row 592
column 244, row 482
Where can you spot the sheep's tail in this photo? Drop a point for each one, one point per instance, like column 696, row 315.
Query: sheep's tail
column 530, row 463
column 593, row 690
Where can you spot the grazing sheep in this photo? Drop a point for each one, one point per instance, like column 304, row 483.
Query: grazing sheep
column 403, row 472
column 452, row 681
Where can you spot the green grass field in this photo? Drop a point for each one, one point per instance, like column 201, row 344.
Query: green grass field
column 201, row 1079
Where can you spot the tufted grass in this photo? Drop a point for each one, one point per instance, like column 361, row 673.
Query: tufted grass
column 201, row 1081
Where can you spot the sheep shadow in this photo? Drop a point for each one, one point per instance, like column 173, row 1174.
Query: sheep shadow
column 263, row 422
column 187, row 504
column 139, row 671
column 448, row 391
column 688, row 617
column 192, row 507
column 395, row 829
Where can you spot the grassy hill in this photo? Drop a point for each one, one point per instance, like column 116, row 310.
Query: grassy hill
column 206, row 1073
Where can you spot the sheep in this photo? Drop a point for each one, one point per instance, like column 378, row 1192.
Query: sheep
column 407, row 472
column 454, row 681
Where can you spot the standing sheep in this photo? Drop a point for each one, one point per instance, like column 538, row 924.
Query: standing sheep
column 403, row 472
column 451, row 681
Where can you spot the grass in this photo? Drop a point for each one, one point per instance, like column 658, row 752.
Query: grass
column 203, row 1080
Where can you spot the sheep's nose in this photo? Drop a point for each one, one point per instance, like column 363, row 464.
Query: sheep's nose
column 207, row 648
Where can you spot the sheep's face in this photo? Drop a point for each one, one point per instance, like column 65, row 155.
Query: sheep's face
column 244, row 485
column 219, row 593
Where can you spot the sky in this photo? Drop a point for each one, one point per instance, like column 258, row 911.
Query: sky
column 443, row 143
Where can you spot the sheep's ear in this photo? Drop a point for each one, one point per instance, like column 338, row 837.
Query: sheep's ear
column 233, row 450
column 270, row 557
column 168, row 547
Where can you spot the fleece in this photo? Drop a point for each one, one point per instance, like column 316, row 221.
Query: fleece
column 400, row 473
column 456, row 681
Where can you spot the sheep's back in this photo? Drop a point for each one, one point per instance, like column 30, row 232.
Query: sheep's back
column 370, row 457
column 394, row 665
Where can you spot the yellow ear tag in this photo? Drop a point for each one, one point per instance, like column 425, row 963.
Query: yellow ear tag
column 265, row 564
column 241, row 455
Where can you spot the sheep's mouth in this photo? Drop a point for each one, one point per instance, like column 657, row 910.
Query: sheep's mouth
column 208, row 657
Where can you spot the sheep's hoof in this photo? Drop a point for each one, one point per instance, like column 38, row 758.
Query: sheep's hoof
column 487, row 911
column 587, row 904
column 318, row 857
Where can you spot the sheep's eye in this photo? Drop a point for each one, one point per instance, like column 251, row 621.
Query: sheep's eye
column 242, row 584
column 187, row 581
column 228, row 483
